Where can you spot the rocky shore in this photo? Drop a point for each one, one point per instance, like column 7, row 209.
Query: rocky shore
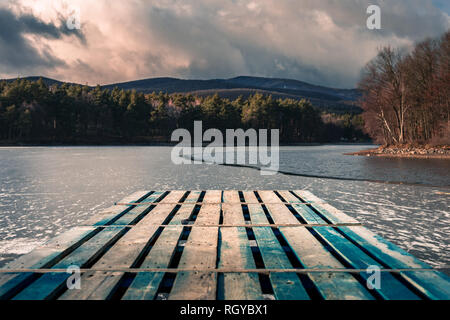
column 426, row 152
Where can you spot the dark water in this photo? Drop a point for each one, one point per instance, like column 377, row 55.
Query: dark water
column 45, row 191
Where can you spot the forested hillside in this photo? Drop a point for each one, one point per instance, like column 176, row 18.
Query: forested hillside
column 33, row 112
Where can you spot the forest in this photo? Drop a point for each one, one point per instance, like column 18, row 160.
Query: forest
column 406, row 94
column 32, row 112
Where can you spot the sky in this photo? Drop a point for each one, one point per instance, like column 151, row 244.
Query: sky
column 324, row 42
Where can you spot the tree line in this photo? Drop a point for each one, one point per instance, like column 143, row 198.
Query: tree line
column 406, row 94
column 32, row 111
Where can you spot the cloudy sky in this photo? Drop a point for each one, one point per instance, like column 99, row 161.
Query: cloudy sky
column 320, row 41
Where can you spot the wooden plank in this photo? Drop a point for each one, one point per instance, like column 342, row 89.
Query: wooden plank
column 392, row 288
column 98, row 285
column 43, row 256
column 200, row 252
column 288, row 196
column 132, row 215
column 241, row 286
column 269, row 197
column 158, row 215
column 249, row 197
column 432, row 285
column 312, row 254
column 110, row 213
column 162, row 251
column 257, row 214
column 173, row 197
column 153, row 197
column 307, row 214
column 193, row 196
column 194, row 285
column 182, row 215
column 389, row 253
column 330, row 212
column 287, row 286
column 48, row 284
column 209, row 214
column 233, row 214
column 213, row 196
column 235, row 252
column 145, row 285
column 281, row 214
column 231, row 196
column 275, row 257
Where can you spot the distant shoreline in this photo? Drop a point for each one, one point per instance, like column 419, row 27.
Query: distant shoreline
column 162, row 144
column 442, row 153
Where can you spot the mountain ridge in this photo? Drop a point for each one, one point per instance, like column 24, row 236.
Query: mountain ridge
column 330, row 99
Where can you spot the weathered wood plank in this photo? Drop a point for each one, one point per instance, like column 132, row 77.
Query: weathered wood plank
column 209, row 214
column 287, row 286
column 235, row 252
column 182, row 215
column 242, row 286
column 330, row 212
column 200, row 252
column 281, row 214
column 194, row 285
column 46, row 285
column 213, row 196
column 146, row 284
column 153, row 197
column 434, row 285
column 391, row 289
column 110, row 213
column 45, row 255
column 233, row 214
column 275, row 257
column 98, row 285
column 249, row 197
column 193, row 196
column 288, row 196
column 312, row 254
column 158, row 215
column 395, row 257
column 231, row 196
column 257, row 214
column 173, row 197
column 269, row 196
column 307, row 214
column 132, row 215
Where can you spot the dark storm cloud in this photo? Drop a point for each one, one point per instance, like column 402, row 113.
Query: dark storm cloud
column 18, row 53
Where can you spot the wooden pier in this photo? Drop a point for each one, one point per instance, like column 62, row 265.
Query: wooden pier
column 221, row 245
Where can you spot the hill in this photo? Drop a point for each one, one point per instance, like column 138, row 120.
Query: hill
column 329, row 99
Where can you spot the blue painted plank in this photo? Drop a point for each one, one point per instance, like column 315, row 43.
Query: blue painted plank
column 433, row 284
column 49, row 283
column 287, row 286
column 391, row 288
column 307, row 213
column 144, row 286
column 396, row 258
